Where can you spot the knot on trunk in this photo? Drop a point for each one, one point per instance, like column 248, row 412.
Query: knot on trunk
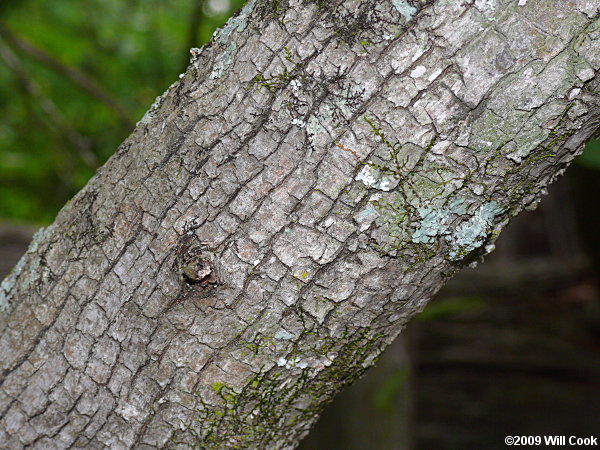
column 200, row 267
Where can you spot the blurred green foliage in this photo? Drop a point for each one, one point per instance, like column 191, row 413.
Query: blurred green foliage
column 386, row 396
column 450, row 306
column 54, row 133
column 591, row 156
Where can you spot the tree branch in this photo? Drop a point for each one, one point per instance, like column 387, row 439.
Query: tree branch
column 282, row 211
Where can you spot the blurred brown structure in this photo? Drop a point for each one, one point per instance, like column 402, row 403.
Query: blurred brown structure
column 14, row 239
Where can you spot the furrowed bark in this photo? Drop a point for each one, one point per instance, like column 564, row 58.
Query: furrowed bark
column 316, row 175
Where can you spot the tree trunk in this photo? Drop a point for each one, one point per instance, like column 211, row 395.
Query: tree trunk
column 280, row 213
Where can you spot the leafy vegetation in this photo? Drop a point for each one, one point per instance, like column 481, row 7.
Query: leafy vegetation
column 74, row 79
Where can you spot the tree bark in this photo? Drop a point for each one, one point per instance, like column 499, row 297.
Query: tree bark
column 316, row 175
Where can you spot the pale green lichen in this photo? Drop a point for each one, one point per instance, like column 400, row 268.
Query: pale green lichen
column 146, row 119
column 9, row 283
column 403, row 7
column 238, row 23
column 472, row 234
column 283, row 335
column 372, row 177
column 365, row 217
column 291, row 363
column 28, row 267
column 222, row 36
column 314, row 127
column 224, row 61
column 317, row 122
column 435, row 222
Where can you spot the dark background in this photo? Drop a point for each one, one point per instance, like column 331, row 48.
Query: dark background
column 509, row 348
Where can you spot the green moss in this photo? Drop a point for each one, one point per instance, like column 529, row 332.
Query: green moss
column 274, row 82
column 525, row 184
column 218, row 387
column 258, row 344
column 269, row 406
column 398, row 213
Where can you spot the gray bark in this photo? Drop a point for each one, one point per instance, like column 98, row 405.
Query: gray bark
column 316, row 175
